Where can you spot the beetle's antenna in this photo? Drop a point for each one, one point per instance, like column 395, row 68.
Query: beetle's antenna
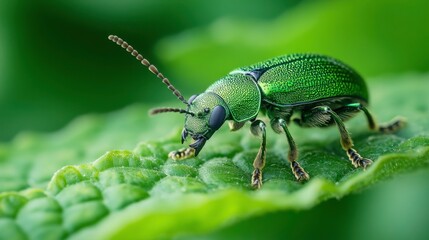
column 168, row 109
column 150, row 66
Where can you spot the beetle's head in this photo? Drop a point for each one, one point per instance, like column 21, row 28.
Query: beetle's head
column 205, row 112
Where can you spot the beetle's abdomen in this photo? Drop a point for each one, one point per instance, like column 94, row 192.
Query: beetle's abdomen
column 302, row 78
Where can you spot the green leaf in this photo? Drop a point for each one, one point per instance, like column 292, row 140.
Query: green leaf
column 51, row 186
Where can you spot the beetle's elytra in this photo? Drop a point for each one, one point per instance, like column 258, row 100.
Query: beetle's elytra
column 311, row 90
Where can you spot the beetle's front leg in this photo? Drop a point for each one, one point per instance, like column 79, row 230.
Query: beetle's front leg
column 182, row 154
column 258, row 129
column 189, row 152
column 234, row 126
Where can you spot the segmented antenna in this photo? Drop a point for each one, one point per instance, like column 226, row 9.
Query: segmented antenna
column 169, row 109
column 150, row 66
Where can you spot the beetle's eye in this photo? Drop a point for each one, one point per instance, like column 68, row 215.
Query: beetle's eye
column 217, row 118
column 206, row 110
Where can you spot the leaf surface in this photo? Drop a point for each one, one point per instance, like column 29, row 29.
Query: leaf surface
column 52, row 187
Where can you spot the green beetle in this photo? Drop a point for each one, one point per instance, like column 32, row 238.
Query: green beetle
column 312, row 90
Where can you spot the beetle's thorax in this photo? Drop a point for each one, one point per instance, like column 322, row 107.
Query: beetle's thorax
column 240, row 93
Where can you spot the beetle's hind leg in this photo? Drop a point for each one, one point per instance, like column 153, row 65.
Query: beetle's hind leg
column 346, row 141
column 258, row 129
column 279, row 124
column 353, row 108
column 393, row 126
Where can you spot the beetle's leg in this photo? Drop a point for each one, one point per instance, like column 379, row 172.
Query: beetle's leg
column 346, row 141
column 278, row 125
column 182, row 154
column 393, row 126
column 234, row 126
column 258, row 129
column 350, row 109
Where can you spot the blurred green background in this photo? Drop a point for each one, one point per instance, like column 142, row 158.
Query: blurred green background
column 56, row 63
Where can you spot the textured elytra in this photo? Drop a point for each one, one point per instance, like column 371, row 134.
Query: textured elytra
column 301, row 78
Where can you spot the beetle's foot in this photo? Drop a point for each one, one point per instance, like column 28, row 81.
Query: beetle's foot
column 364, row 163
column 182, row 154
column 257, row 178
column 357, row 160
column 394, row 126
column 299, row 172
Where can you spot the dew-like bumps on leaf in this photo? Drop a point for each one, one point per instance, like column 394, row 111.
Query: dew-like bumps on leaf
column 142, row 194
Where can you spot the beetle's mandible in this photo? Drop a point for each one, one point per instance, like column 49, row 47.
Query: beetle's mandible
column 310, row 90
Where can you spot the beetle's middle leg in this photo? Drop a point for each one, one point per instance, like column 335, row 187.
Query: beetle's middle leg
column 346, row 141
column 279, row 124
column 258, row 129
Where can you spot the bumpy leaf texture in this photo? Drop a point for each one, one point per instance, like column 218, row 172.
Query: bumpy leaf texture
column 50, row 187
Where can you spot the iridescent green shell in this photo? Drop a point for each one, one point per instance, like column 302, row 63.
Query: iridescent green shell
column 300, row 79
column 289, row 81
